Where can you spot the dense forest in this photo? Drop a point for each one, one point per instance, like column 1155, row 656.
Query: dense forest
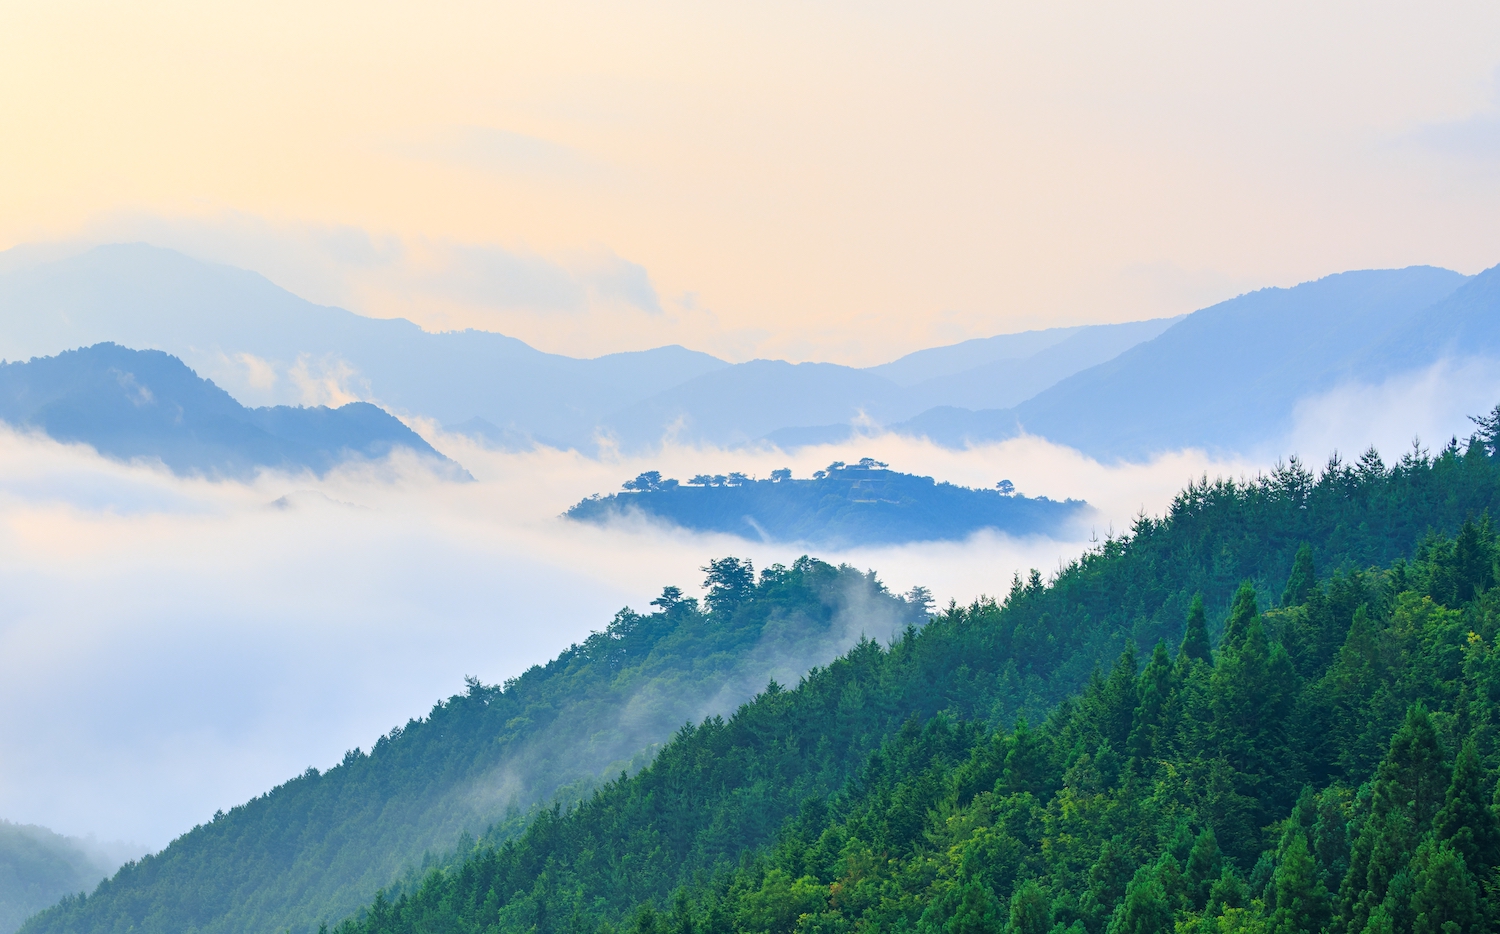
column 37, row 867
column 320, row 845
column 1311, row 722
column 863, row 503
column 1297, row 752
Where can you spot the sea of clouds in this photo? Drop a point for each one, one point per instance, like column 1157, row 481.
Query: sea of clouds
column 172, row 646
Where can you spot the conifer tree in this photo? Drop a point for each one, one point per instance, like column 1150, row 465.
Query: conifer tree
column 1228, row 891
column 1030, row 909
column 1241, row 612
column 1145, row 909
column 1302, row 580
column 1413, row 775
column 1466, row 822
column 1146, row 737
column 976, row 912
column 1118, row 699
column 1205, row 865
column 1195, row 644
column 1446, row 900
column 1301, row 899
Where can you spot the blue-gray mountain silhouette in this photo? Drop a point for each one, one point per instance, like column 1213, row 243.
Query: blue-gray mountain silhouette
column 130, row 404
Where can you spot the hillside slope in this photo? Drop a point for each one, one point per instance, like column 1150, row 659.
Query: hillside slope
column 318, row 846
column 886, row 808
column 131, row 404
column 37, row 867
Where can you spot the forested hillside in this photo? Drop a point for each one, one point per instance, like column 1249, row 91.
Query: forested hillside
column 37, row 867
column 1312, row 766
column 320, row 845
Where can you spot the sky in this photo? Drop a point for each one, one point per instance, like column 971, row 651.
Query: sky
column 828, row 181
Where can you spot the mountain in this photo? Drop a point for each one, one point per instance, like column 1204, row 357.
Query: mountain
column 1300, row 754
column 936, row 362
column 130, row 404
column 267, row 346
column 318, row 846
column 792, row 404
column 37, row 867
column 1228, row 377
column 742, row 403
column 847, row 504
column 1465, row 324
column 1005, row 382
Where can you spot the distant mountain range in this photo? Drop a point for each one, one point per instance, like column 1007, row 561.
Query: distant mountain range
column 847, row 504
column 131, row 404
column 266, row 346
column 1226, row 378
column 1229, row 377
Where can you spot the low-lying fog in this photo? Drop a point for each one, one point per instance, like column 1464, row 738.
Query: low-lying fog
column 169, row 647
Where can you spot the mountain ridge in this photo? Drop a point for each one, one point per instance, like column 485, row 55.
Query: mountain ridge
column 130, row 404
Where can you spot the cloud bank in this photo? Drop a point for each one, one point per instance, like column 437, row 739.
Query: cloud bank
column 170, row 646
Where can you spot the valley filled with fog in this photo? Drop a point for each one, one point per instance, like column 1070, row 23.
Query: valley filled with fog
column 174, row 646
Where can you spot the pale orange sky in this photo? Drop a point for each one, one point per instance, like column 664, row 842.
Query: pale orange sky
column 830, row 181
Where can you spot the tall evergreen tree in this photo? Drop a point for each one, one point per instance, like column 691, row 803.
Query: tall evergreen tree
column 1030, row 909
column 1146, row 732
column 1413, row 776
column 1302, row 580
column 1241, row 612
column 1195, row 644
column 1466, row 821
column 1205, row 864
column 1145, row 909
column 1446, row 900
column 1301, row 899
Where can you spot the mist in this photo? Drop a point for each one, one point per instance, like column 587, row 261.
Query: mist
column 170, row 647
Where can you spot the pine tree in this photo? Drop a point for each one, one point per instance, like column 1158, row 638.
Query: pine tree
column 1205, row 865
column 1302, row 580
column 1118, row 699
column 1146, row 740
column 1466, row 822
column 976, row 912
column 1301, row 899
column 1228, row 891
column 1446, row 900
column 1195, row 644
column 1030, row 909
column 1241, row 612
column 1145, row 909
column 1413, row 774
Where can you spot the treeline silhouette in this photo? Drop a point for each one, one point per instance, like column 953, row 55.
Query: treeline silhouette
column 844, row 505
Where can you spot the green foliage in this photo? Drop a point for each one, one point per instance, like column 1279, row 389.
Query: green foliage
column 890, row 791
column 1195, row 644
column 37, row 867
column 1013, row 763
column 320, row 845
